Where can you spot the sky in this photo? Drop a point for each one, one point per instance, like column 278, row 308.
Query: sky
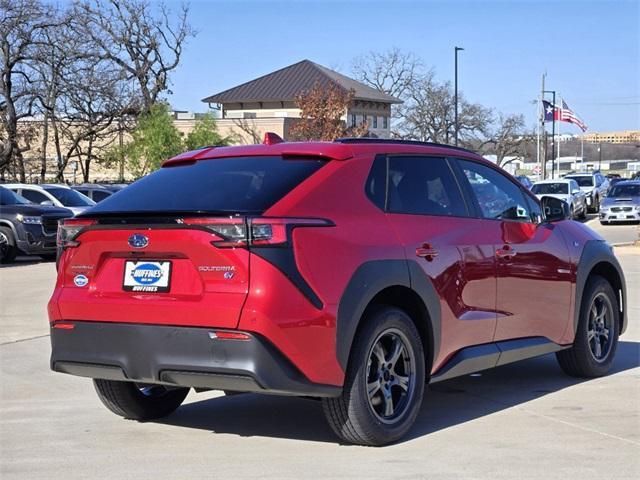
column 590, row 50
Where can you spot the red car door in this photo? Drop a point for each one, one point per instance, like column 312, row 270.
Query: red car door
column 534, row 273
column 430, row 217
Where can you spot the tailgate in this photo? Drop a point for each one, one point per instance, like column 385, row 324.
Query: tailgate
column 178, row 278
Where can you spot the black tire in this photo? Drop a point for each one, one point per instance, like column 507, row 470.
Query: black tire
column 581, row 360
column 8, row 248
column 572, row 213
column 603, row 223
column 139, row 402
column 583, row 214
column 354, row 416
column 596, row 205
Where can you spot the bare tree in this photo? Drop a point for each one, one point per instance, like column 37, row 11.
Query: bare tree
column 23, row 24
column 392, row 72
column 146, row 46
column 507, row 140
column 428, row 114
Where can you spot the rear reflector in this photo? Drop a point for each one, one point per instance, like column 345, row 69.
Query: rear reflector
column 229, row 336
column 64, row 326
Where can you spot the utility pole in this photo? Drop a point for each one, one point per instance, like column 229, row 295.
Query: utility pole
column 542, row 155
column 599, row 156
column 455, row 94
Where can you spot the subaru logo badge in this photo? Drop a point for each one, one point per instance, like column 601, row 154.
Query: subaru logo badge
column 137, row 240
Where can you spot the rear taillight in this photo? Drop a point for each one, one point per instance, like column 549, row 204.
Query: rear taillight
column 239, row 232
column 69, row 229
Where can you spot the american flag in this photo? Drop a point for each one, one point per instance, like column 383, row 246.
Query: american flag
column 565, row 114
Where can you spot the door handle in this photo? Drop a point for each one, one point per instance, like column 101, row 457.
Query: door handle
column 427, row 252
column 507, row 252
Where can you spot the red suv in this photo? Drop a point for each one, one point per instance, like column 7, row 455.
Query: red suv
column 356, row 271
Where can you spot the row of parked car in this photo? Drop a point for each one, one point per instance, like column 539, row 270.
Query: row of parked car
column 613, row 198
column 29, row 214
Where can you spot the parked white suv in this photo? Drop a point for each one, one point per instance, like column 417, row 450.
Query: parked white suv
column 565, row 189
column 594, row 185
column 52, row 194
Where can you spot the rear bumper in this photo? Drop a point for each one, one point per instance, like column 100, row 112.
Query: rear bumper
column 178, row 356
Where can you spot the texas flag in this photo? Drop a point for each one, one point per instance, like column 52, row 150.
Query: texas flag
column 561, row 114
column 550, row 111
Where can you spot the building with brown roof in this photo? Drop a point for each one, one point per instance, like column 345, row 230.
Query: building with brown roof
column 267, row 103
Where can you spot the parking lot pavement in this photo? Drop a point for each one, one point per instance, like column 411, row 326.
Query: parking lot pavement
column 615, row 233
column 525, row 420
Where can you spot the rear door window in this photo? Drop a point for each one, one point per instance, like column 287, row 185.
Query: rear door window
column 35, row 197
column 423, row 186
column 223, row 185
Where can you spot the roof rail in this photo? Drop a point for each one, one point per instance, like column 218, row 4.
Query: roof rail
column 404, row 142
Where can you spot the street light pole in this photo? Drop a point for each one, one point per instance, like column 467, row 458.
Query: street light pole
column 455, row 94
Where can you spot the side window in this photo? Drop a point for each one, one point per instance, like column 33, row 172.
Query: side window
column 98, row 196
column 497, row 196
column 423, row 186
column 35, row 197
column 376, row 182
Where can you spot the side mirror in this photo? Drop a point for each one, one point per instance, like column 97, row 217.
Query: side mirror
column 47, row 203
column 575, row 192
column 555, row 210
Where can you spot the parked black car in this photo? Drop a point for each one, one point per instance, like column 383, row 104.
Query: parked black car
column 26, row 227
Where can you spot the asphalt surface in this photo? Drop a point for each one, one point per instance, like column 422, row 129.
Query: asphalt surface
column 525, row 420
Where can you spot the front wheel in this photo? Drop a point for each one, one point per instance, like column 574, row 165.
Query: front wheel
column 8, row 249
column 384, row 381
column 596, row 339
column 139, row 401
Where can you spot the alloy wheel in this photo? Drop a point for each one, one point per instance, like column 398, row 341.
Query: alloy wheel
column 390, row 376
column 599, row 327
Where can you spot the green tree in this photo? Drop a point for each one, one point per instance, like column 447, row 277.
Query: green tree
column 154, row 140
column 205, row 134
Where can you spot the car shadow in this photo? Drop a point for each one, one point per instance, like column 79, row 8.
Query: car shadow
column 25, row 261
column 446, row 404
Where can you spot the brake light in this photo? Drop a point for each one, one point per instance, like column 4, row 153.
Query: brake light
column 222, row 335
column 237, row 232
column 69, row 229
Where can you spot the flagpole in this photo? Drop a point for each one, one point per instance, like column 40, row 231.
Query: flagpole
column 543, row 131
column 559, row 123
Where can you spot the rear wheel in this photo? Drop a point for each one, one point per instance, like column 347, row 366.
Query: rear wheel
column 8, row 249
column 139, row 401
column 596, row 339
column 384, row 383
column 583, row 213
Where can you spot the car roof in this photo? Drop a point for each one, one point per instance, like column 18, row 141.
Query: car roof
column 55, row 185
column 24, row 185
column 628, row 182
column 559, row 180
column 581, row 174
column 342, row 149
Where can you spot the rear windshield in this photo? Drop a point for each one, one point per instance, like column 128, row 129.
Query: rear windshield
column 583, row 181
column 69, row 197
column 550, row 189
column 226, row 185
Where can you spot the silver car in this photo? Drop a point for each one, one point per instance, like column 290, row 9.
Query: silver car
column 565, row 189
column 622, row 203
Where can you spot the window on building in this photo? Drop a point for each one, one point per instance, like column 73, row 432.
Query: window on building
column 375, row 121
column 385, row 122
column 353, row 120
